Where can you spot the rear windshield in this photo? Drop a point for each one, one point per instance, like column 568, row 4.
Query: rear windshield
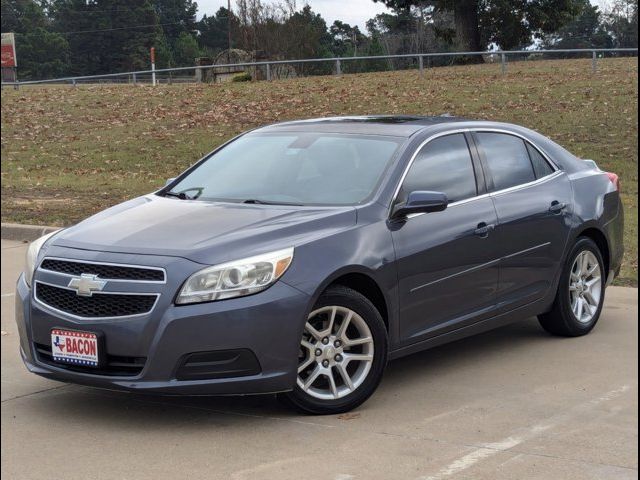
column 293, row 168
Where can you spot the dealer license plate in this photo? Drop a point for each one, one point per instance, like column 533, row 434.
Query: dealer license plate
column 74, row 347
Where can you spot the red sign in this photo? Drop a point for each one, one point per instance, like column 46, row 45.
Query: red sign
column 153, row 55
column 9, row 51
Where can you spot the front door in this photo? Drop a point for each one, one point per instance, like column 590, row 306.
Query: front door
column 447, row 262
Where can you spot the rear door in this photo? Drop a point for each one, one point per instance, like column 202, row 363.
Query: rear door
column 533, row 203
column 447, row 262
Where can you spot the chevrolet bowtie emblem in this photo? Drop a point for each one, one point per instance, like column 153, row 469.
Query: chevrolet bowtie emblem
column 86, row 284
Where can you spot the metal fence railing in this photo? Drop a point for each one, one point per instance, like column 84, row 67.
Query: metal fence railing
column 274, row 69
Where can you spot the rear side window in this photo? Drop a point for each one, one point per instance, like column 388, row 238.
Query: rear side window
column 443, row 165
column 540, row 165
column 507, row 158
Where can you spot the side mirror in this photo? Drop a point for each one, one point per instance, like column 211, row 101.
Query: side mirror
column 421, row 202
column 169, row 181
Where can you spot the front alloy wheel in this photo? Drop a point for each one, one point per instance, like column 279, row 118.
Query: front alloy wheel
column 333, row 364
column 342, row 353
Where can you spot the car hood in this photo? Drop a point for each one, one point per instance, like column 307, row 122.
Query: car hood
column 204, row 232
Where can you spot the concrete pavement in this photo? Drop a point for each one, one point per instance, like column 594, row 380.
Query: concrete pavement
column 512, row 403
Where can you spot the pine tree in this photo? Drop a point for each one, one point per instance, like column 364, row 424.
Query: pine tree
column 107, row 36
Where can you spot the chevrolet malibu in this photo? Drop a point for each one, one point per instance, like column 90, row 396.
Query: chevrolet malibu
column 300, row 257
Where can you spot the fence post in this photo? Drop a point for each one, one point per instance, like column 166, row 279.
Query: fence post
column 504, row 63
column 421, row 65
column 73, row 82
column 268, row 72
column 594, row 62
column 338, row 67
column 134, row 78
column 153, row 66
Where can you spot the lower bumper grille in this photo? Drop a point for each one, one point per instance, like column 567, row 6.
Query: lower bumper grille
column 116, row 366
column 99, row 305
column 218, row 364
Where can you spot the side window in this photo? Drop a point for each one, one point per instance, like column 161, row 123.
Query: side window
column 540, row 165
column 507, row 158
column 443, row 165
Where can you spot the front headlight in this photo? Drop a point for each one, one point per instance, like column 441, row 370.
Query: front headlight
column 235, row 279
column 32, row 255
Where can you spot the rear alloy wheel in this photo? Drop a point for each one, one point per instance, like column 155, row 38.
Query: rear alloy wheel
column 585, row 286
column 580, row 296
column 342, row 353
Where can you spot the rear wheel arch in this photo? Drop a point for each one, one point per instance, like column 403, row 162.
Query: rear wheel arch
column 601, row 241
column 577, row 277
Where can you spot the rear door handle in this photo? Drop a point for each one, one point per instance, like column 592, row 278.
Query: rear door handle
column 483, row 229
column 557, row 207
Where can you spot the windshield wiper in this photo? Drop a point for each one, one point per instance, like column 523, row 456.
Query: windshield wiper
column 256, row 201
column 181, row 195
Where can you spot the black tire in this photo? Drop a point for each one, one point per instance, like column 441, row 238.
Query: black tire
column 345, row 297
column 561, row 320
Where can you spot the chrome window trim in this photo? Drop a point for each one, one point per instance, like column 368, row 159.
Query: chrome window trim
column 556, row 170
column 540, row 181
column 121, row 280
column 522, row 186
column 79, row 317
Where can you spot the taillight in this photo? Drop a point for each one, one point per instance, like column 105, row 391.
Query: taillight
column 614, row 179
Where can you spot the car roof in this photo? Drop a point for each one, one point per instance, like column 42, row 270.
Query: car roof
column 392, row 125
column 408, row 125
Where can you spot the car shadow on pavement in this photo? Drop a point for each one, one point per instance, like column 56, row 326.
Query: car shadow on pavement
column 83, row 404
column 466, row 353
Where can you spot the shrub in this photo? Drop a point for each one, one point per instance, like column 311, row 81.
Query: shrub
column 242, row 77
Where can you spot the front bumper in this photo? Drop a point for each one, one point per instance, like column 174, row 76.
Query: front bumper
column 268, row 324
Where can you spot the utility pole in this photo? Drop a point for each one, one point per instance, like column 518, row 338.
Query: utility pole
column 229, row 30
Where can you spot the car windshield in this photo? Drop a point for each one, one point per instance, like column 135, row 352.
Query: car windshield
column 292, row 168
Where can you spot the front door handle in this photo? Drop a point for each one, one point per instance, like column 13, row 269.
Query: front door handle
column 557, row 207
column 483, row 229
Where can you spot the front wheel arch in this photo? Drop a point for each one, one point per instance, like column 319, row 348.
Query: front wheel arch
column 364, row 281
column 366, row 312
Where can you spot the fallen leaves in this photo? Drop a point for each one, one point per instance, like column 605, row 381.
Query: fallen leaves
column 66, row 143
column 349, row 416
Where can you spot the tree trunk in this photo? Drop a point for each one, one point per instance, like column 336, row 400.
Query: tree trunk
column 467, row 28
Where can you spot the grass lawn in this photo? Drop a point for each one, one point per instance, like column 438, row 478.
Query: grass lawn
column 69, row 152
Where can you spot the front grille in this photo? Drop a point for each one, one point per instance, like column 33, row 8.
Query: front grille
column 105, row 271
column 97, row 306
column 114, row 365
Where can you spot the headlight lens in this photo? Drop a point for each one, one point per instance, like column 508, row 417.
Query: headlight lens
column 32, row 255
column 235, row 279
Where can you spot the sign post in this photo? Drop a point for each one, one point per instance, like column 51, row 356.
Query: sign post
column 9, row 59
column 153, row 66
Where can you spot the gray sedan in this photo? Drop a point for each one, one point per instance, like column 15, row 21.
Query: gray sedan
column 300, row 257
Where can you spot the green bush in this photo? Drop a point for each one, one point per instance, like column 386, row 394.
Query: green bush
column 242, row 77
